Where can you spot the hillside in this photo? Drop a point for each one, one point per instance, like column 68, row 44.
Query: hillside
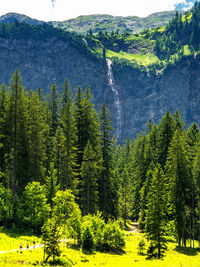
column 107, row 23
column 96, row 23
column 13, row 17
column 151, row 71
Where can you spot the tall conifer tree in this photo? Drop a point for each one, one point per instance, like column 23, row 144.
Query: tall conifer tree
column 177, row 171
column 17, row 157
column 155, row 223
column 36, row 134
column 89, row 175
column 166, row 130
column 4, row 101
column 108, row 196
column 87, row 125
column 68, row 174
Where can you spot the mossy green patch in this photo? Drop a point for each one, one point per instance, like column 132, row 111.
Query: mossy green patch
column 146, row 60
column 186, row 50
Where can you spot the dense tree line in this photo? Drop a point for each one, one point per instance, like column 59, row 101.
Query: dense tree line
column 50, row 144
column 54, row 142
column 163, row 167
column 181, row 30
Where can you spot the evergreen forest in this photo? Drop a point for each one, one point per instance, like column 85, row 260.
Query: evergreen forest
column 63, row 173
column 60, row 161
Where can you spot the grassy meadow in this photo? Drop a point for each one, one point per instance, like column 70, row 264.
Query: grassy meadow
column 33, row 257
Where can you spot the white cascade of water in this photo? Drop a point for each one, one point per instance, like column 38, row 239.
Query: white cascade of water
column 111, row 83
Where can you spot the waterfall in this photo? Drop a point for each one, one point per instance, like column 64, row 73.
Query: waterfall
column 111, row 83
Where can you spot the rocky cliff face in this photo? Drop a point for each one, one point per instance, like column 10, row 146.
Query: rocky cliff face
column 141, row 96
column 145, row 96
column 43, row 62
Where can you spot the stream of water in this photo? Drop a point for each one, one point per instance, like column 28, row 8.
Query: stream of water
column 111, row 83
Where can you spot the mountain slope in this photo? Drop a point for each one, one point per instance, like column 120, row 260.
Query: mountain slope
column 107, row 23
column 96, row 23
column 137, row 76
column 13, row 17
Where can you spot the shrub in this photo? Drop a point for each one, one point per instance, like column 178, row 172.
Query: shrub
column 61, row 261
column 141, row 247
column 120, row 222
column 112, row 238
column 74, row 227
column 96, row 224
column 106, row 237
column 87, row 240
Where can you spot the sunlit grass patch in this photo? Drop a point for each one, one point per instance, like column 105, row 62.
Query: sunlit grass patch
column 174, row 256
column 10, row 241
column 186, row 50
column 29, row 257
column 145, row 60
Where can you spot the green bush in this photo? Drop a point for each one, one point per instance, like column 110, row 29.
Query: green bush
column 106, row 237
column 87, row 240
column 112, row 238
column 74, row 227
column 141, row 247
column 96, row 224
column 120, row 222
column 61, row 261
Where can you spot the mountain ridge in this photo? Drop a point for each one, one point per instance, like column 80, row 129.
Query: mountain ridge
column 95, row 23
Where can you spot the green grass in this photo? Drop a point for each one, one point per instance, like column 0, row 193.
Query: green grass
column 10, row 241
column 174, row 257
column 161, row 29
column 145, row 60
column 187, row 51
column 22, row 258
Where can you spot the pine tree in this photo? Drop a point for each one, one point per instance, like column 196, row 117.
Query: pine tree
column 4, row 100
column 177, row 171
column 123, row 173
column 196, row 175
column 17, row 156
column 78, row 115
column 54, row 102
column 126, row 194
column 67, row 94
column 51, row 186
column 144, row 196
column 107, row 186
column 89, row 175
column 155, row 223
column 166, row 130
column 68, row 174
column 53, row 122
column 179, row 124
column 87, row 125
column 59, row 151
column 139, row 171
column 151, row 158
column 192, row 135
column 36, row 133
